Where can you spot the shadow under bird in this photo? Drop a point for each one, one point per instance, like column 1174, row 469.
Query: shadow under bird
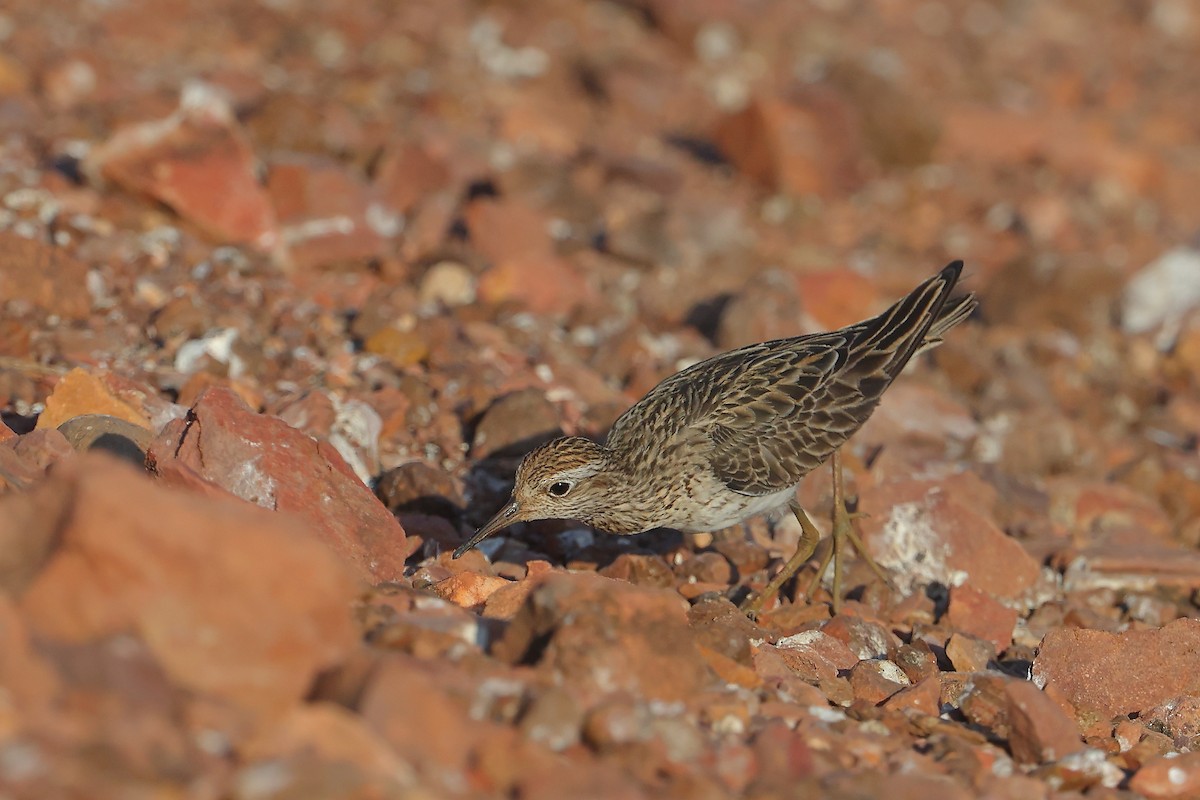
column 731, row 436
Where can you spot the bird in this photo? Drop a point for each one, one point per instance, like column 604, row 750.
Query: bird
column 733, row 435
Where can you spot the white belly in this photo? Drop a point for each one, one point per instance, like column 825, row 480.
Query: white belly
column 725, row 509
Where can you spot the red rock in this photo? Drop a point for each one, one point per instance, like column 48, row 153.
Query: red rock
column 506, row 601
column 815, row 655
column 199, row 162
column 867, row 639
column 1169, row 778
column 408, row 173
column 923, row 697
column 265, row 461
column 981, row 615
column 647, row 647
column 43, row 448
column 125, row 558
column 1107, row 674
column 1039, row 730
column 837, row 298
column 924, row 534
column 80, row 393
column 326, row 732
column 514, row 424
column 470, row 589
column 1179, row 718
column 507, row 231
column 969, row 654
column 641, row 569
column 922, row 420
column 44, row 276
column 327, row 215
column 1069, row 146
column 30, row 681
column 404, row 689
column 545, row 284
column 798, row 149
column 876, row 680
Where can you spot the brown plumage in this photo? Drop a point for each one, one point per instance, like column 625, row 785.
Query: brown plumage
column 733, row 435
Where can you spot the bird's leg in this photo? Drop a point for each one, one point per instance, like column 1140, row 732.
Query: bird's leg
column 809, row 536
column 843, row 533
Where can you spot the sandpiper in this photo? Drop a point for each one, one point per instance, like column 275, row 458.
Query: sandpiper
column 731, row 436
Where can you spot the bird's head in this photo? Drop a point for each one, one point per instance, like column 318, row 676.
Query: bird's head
column 563, row 479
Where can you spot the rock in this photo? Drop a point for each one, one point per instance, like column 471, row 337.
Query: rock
column 508, row 231
column 867, row 639
column 199, row 162
column 43, row 448
column 326, row 732
column 404, row 689
column 408, row 173
column 1103, row 674
column 113, row 567
column 925, row 535
column 469, row 589
column 815, row 655
column 876, row 681
column 44, row 276
column 449, row 284
column 836, row 298
column 1162, row 293
column 553, row 718
column 1168, row 778
column 418, row 486
column 969, row 654
column 515, row 424
column 118, row 438
column 799, row 148
column 641, row 570
column 1179, row 718
column 923, row 697
column 646, row 645
column 506, row 601
column 80, row 393
column 327, row 215
column 981, row 615
column 263, row 460
column 1039, row 730
column 545, row 284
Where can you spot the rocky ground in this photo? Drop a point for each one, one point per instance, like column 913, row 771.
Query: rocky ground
column 347, row 262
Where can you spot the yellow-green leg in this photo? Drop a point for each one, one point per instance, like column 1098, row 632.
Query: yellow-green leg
column 809, row 535
column 843, row 533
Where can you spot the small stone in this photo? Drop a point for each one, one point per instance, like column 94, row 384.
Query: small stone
column 418, row 486
column 400, row 348
column 875, row 681
column 515, row 424
column 815, row 655
column 447, row 283
column 969, row 654
column 553, row 718
column 923, row 697
column 44, row 276
column 648, row 647
column 469, row 589
column 199, row 162
column 865, row 638
column 80, row 393
column 1168, row 778
column 1039, row 730
column 117, row 437
column 981, row 615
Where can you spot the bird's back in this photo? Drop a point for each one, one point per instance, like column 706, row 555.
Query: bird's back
column 764, row 415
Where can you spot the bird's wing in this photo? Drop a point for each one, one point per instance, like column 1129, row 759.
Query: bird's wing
column 791, row 403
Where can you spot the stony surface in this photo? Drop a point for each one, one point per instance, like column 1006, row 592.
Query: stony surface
column 349, row 262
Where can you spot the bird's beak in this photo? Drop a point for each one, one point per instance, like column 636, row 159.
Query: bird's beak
column 504, row 517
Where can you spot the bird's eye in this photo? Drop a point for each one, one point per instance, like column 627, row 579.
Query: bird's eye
column 559, row 488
